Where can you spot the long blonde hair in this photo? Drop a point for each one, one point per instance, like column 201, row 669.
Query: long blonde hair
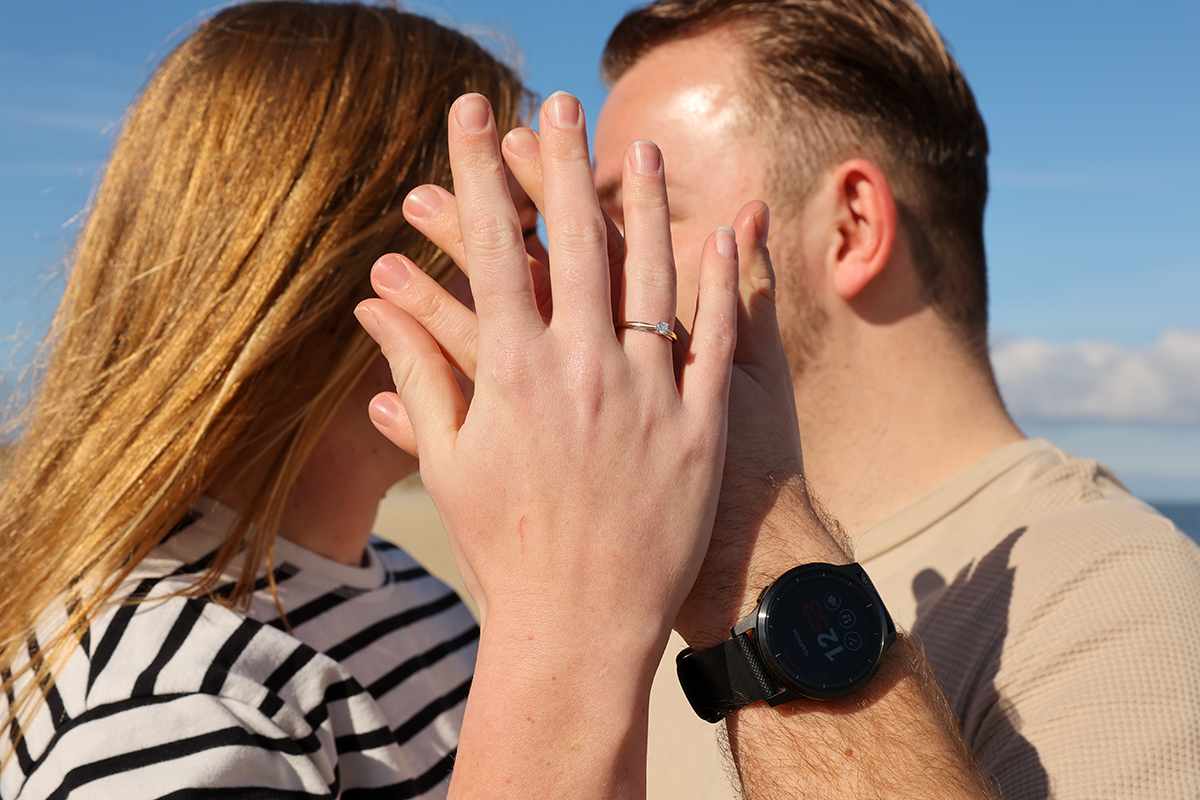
column 207, row 318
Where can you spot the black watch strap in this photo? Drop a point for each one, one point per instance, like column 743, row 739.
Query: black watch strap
column 719, row 681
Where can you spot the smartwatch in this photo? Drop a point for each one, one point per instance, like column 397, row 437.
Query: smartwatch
column 819, row 631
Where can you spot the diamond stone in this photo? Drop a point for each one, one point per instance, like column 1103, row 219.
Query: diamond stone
column 662, row 328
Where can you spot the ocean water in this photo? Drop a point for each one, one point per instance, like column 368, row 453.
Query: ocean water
column 1186, row 517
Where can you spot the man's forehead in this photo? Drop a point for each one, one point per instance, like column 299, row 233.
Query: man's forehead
column 694, row 76
column 684, row 95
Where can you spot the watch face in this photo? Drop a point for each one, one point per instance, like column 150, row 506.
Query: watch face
column 821, row 631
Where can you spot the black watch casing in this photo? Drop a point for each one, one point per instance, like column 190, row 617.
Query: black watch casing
column 819, row 631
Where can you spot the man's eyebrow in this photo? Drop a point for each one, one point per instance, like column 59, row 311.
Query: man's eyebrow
column 609, row 193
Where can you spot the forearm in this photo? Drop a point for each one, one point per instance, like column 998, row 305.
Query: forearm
column 894, row 739
column 556, row 712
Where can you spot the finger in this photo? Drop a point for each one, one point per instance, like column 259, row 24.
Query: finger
column 579, row 279
column 649, row 276
column 522, row 153
column 539, row 259
column 451, row 324
column 389, row 417
column 433, row 211
column 709, row 363
column 758, row 331
column 491, row 231
column 433, row 404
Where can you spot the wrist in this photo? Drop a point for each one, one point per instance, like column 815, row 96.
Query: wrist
column 549, row 710
column 581, row 650
column 749, row 551
column 820, row 631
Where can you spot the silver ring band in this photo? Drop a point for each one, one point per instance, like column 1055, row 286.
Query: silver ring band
column 661, row 328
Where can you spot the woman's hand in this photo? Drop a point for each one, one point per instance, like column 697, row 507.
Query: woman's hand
column 764, row 505
column 579, row 486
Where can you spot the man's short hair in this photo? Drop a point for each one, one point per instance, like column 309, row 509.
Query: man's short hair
column 841, row 78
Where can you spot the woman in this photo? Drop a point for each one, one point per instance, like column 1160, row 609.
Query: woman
column 206, row 378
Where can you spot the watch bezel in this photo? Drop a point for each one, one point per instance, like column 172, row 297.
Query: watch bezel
column 851, row 574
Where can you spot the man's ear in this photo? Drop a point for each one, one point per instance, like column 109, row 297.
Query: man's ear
column 866, row 225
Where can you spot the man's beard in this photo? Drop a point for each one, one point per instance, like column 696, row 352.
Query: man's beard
column 802, row 319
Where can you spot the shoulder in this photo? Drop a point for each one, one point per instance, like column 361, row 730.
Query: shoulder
column 1077, row 530
column 1064, row 517
column 181, row 693
column 1081, row 613
column 1073, row 538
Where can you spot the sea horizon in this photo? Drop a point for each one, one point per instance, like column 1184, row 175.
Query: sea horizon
column 1186, row 516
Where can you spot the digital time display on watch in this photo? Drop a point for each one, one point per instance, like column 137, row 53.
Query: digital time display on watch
column 824, row 632
column 819, row 631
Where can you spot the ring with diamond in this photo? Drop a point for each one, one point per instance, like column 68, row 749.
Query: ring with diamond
column 661, row 328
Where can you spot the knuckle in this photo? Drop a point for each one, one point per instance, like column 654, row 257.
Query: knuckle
column 493, row 235
column 445, row 231
column 588, row 384
column 422, row 369
column 652, row 275
column 425, row 306
column 425, row 364
column 580, row 232
column 513, row 368
column 645, row 196
column 401, row 364
column 564, row 148
column 716, row 333
column 478, row 161
column 721, row 337
column 470, row 339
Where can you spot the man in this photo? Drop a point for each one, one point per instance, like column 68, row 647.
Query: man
column 1060, row 615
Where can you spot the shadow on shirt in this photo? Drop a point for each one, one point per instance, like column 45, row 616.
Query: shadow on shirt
column 962, row 628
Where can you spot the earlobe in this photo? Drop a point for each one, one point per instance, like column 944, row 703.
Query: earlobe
column 868, row 225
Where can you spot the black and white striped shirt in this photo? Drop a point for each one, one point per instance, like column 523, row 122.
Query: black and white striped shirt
column 181, row 697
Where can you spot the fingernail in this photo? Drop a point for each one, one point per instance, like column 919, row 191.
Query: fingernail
column 522, row 143
column 563, row 110
column 727, row 242
column 390, row 272
column 383, row 410
column 645, row 157
column 422, row 202
column 762, row 224
column 369, row 322
column 473, row 112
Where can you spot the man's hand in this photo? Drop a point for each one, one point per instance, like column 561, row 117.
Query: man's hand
column 765, row 523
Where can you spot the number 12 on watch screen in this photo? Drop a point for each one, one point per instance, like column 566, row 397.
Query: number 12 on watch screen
column 814, row 612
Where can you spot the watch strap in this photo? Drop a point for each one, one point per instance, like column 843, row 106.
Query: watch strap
column 721, row 680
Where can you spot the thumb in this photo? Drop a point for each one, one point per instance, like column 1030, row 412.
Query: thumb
column 758, row 340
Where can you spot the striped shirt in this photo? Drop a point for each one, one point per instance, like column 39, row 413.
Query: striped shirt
column 181, row 697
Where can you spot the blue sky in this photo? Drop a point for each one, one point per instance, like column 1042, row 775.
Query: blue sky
column 1093, row 112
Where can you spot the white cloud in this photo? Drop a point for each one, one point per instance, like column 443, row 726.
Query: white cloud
column 1101, row 381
